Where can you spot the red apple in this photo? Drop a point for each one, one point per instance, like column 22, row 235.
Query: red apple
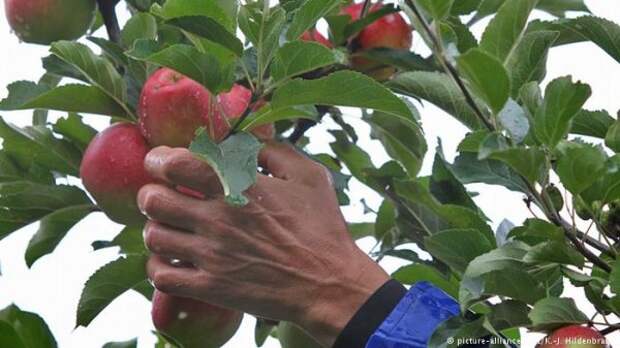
column 235, row 103
column 574, row 336
column 46, row 21
column 192, row 323
column 291, row 336
column 389, row 31
column 313, row 35
column 172, row 107
column 112, row 170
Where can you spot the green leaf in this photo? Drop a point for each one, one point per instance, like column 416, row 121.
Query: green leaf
column 470, row 170
column 528, row 62
column 8, row 336
column 361, row 230
column 511, row 282
column 438, row 89
column 267, row 114
column 446, row 187
column 592, row 123
column 108, row 283
column 100, row 72
column 458, row 247
column 554, row 252
column 509, row 255
column 401, row 59
column 209, row 29
column 127, row 344
column 28, row 328
column 465, row 39
column 234, row 161
column 25, row 95
column 529, row 162
column 299, row 57
column 307, row 16
column 219, row 10
column 560, row 7
column 72, row 128
column 59, row 68
column 30, row 196
column 263, row 31
column 262, row 331
column 563, row 100
column 53, row 228
column 607, row 186
column 438, row 9
column 130, row 241
column 514, row 119
column 139, row 26
column 455, row 330
column 601, row 31
column 37, row 145
column 505, row 30
column 343, row 88
column 552, row 313
column 422, row 273
column 205, row 68
column 487, row 76
column 493, row 142
column 612, row 138
column 579, row 166
column 403, row 140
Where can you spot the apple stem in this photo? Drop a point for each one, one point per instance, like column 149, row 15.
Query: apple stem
column 108, row 12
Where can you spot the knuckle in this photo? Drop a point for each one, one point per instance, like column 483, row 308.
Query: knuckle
column 163, row 281
column 152, row 238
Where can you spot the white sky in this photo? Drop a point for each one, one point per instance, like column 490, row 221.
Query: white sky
column 53, row 286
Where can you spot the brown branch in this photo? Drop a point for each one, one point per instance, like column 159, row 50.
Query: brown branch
column 108, row 12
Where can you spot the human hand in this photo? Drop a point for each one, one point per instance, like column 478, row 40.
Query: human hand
column 286, row 255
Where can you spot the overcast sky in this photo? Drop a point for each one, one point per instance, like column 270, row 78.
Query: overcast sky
column 53, row 286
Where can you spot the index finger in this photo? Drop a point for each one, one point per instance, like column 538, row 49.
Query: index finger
column 178, row 167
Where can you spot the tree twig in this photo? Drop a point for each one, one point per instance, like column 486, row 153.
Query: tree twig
column 108, row 12
column 551, row 214
column 449, row 67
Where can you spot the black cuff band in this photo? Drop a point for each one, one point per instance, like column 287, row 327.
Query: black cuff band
column 370, row 316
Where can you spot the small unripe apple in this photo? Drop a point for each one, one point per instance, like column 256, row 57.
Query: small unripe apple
column 389, row 31
column 291, row 336
column 313, row 35
column 192, row 323
column 574, row 336
column 112, row 170
column 46, row 21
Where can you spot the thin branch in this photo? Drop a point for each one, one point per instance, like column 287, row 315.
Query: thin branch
column 450, row 68
column 365, row 9
column 108, row 12
column 551, row 213
column 610, row 329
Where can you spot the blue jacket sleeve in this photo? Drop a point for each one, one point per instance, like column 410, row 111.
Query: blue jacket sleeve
column 414, row 319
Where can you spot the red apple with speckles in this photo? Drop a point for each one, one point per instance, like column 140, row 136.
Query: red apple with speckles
column 235, row 103
column 574, row 336
column 313, row 35
column 112, row 170
column 173, row 107
column 389, row 31
column 192, row 323
column 46, row 21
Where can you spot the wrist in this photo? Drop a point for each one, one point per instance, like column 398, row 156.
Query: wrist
column 339, row 297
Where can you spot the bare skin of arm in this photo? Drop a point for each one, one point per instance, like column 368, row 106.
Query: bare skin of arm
column 287, row 255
